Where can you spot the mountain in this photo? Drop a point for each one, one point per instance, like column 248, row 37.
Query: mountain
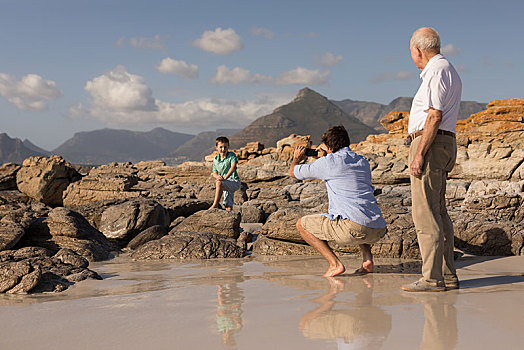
column 111, row 145
column 16, row 150
column 35, row 148
column 202, row 144
column 370, row 113
column 308, row 114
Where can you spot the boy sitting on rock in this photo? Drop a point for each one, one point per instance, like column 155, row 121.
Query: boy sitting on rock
column 225, row 173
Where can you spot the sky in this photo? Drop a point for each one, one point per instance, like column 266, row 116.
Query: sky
column 192, row 66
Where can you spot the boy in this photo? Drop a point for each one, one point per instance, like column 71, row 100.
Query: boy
column 225, row 173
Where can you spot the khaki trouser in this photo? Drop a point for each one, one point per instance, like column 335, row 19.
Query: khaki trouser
column 432, row 222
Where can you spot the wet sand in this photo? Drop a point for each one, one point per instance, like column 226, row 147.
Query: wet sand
column 271, row 303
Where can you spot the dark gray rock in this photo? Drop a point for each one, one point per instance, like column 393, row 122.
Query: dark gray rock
column 8, row 176
column 189, row 245
column 252, row 213
column 64, row 228
column 281, row 224
column 149, row 234
column 126, row 220
column 10, row 234
column 33, row 270
column 221, row 222
column 268, row 246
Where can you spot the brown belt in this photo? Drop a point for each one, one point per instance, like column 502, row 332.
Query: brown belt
column 439, row 132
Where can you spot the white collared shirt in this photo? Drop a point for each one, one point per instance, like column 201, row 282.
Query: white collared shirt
column 441, row 89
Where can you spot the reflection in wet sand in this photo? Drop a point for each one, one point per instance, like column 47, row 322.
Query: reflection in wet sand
column 273, row 302
column 355, row 323
column 229, row 312
column 440, row 326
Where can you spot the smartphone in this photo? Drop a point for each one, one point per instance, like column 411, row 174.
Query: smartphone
column 310, row 152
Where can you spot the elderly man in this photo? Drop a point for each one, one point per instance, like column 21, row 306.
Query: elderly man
column 432, row 154
column 354, row 217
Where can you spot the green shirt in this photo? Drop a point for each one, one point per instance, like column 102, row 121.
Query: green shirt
column 222, row 166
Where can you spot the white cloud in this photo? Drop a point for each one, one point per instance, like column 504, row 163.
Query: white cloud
column 180, row 68
column 118, row 90
column 404, row 75
column 399, row 76
column 32, row 92
column 120, row 41
column 303, row 76
column 220, row 41
column 266, row 33
column 155, row 43
column 120, row 98
column 238, row 75
column 450, row 50
column 462, row 68
column 328, row 60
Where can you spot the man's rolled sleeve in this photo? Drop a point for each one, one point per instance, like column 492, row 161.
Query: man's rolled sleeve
column 437, row 92
column 315, row 170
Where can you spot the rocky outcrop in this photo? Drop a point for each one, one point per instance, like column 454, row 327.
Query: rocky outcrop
column 124, row 221
column 217, row 221
column 189, row 245
column 8, row 176
column 149, row 234
column 45, row 179
column 34, row 270
column 63, row 228
column 489, row 146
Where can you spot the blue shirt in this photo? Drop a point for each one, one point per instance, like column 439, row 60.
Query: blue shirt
column 348, row 182
column 222, row 166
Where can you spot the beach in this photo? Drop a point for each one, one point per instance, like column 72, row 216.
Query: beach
column 271, row 302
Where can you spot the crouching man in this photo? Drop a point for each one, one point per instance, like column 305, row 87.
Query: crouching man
column 354, row 217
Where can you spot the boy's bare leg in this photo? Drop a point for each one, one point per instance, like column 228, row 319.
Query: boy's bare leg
column 218, row 194
column 367, row 259
column 335, row 265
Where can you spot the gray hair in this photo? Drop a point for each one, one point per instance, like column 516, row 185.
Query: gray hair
column 426, row 39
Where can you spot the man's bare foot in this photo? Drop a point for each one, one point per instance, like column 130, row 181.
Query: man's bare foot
column 367, row 267
column 335, row 270
column 229, row 208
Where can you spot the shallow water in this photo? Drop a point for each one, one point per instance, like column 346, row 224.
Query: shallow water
column 266, row 303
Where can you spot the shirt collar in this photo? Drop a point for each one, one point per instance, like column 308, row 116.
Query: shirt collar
column 430, row 63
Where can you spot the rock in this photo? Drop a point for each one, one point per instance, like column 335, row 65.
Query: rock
column 45, row 179
column 32, row 270
column 189, row 245
column 149, row 234
column 10, row 234
column 67, row 256
column 244, row 239
column 185, row 207
column 268, row 246
column 64, row 228
column 221, row 222
column 251, row 213
column 126, row 220
column 281, row 225
column 268, row 207
column 101, row 187
column 8, row 176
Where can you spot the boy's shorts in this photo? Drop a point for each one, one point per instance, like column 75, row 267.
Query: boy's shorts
column 229, row 187
column 342, row 231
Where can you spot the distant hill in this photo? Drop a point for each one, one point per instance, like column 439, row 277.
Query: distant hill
column 308, row 114
column 14, row 150
column 370, row 113
column 110, row 145
column 202, row 144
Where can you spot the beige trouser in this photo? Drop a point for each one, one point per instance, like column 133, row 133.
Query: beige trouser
column 432, row 222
